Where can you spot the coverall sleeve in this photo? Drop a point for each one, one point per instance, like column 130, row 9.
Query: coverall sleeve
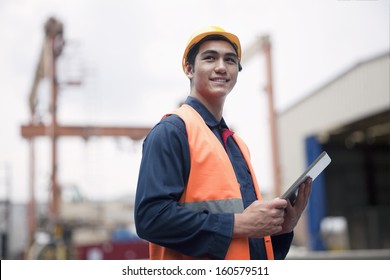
column 158, row 217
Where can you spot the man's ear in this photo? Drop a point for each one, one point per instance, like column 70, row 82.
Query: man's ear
column 189, row 71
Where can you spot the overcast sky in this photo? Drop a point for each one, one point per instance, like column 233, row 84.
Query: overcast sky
column 128, row 55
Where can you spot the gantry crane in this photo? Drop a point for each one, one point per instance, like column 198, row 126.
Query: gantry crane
column 47, row 68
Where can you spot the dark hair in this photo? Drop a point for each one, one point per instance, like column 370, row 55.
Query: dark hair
column 194, row 50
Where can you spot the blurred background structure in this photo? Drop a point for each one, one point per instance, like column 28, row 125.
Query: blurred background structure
column 81, row 84
column 349, row 207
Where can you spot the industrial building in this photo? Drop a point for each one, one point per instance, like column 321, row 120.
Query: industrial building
column 349, row 118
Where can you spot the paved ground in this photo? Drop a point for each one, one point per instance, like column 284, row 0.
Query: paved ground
column 298, row 254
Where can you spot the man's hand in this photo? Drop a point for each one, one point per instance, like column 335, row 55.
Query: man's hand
column 261, row 218
column 293, row 213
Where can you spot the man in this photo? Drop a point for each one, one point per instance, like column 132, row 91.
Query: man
column 197, row 195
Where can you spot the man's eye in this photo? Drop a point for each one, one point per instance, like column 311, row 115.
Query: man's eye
column 231, row 60
column 209, row 57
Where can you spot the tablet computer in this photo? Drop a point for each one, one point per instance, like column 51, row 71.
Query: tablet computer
column 320, row 163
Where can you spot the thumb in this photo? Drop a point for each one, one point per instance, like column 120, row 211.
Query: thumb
column 280, row 203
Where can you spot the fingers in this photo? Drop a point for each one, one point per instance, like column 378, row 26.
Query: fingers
column 303, row 195
column 279, row 203
column 277, row 219
column 278, row 224
column 305, row 188
column 293, row 212
column 266, row 217
column 308, row 187
column 289, row 206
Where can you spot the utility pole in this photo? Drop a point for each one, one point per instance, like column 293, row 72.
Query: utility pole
column 263, row 44
column 47, row 68
column 266, row 48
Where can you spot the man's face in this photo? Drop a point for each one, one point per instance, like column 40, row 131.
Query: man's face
column 215, row 70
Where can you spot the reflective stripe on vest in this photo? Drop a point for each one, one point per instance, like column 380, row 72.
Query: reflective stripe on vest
column 234, row 205
column 212, row 183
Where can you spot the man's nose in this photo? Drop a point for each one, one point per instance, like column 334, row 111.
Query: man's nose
column 220, row 66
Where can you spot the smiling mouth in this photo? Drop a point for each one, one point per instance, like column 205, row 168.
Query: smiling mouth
column 220, row 80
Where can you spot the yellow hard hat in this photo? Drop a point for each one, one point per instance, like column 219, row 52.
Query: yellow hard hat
column 207, row 31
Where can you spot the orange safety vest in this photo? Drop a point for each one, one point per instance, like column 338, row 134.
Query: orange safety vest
column 212, row 184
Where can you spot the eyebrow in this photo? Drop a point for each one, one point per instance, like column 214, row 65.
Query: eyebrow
column 215, row 52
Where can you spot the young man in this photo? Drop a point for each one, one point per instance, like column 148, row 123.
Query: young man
column 197, row 195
